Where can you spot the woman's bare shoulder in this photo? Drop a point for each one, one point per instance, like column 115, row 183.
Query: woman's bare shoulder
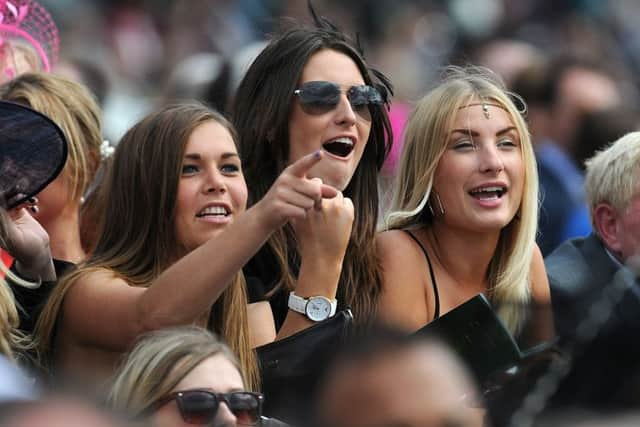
column 402, row 301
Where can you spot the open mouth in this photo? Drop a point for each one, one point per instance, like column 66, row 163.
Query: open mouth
column 340, row 147
column 488, row 193
column 215, row 211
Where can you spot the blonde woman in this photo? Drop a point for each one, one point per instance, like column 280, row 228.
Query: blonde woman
column 465, row 209
column 184, row 376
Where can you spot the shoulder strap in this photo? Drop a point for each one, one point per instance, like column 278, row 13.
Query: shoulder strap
column 433, row 277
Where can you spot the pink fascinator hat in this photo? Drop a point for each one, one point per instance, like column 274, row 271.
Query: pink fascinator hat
column 28, row 38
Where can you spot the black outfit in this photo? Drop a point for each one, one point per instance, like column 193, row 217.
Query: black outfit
column 30, row 302
column 291, row 368
column 606, row 365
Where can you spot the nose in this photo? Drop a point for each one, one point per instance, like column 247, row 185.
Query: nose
column 490, row 160
column 345, row 115
column 224, row 417
column 215, row 182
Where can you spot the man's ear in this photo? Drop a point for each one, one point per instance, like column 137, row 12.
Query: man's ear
column 606, row 223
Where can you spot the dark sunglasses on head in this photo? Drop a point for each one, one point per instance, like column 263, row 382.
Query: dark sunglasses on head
column 201, row 406
column 319, row 97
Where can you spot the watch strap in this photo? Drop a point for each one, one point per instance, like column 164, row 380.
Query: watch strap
column 299, row 304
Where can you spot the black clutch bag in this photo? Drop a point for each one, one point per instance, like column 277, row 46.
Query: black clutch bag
column 292, row 367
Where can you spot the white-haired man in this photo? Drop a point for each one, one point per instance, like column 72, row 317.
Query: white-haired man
column 594, row 289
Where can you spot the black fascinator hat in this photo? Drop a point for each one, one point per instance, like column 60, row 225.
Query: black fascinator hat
column 33, row 151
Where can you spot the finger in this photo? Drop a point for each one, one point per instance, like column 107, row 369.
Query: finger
column 302, row 165
column 328, row 192
column 349, row 204
column 297, row 199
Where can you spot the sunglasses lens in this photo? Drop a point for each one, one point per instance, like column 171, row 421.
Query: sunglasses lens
column 246, row 408
column 361, row 97
column 318, row 97
column 198, row 407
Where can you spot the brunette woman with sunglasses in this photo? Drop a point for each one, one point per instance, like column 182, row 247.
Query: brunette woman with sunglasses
column 185, row 377
column 311, row 89
column 173, row 239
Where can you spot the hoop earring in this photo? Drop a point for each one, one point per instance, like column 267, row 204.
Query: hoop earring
column 439, row 208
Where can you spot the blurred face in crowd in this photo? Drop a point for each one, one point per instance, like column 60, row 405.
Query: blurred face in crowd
column 420, row 386
column 215, row 374
column 625, row 230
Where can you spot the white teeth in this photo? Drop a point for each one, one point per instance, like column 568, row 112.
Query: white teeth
column 214, row 210
column 488, row 190
column 343, row 140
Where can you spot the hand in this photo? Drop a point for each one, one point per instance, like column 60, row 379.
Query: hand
column 26, row 240
column 293, row 195
column 325, row 232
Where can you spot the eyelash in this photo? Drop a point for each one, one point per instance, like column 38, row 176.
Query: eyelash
column 234, row 168
column 465, row 143
column 229, row 168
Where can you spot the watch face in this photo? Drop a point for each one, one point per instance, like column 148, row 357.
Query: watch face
column 318, row 309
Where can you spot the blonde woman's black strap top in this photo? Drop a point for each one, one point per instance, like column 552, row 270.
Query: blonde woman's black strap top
column 433, row 277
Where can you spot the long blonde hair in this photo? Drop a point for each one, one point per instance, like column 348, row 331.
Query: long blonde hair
column 425, row 141
column 138, row 248
column 158, row 362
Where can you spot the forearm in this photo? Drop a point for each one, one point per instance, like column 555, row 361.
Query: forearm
column 190, row 286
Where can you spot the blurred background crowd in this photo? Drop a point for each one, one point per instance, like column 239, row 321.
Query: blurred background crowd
column 574, row 62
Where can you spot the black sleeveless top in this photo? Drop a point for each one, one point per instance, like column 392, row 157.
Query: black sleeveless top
column 433, row 277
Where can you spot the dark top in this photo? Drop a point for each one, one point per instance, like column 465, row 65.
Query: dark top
column 263, row 266
column 30, row 302
column 433, row 276
column 597, row 308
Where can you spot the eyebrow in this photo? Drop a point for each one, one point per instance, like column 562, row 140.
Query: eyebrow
column 473, row 133
column 198, row 156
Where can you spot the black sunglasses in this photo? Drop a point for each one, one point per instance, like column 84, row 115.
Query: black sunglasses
column 201, row 406
column 319, row 97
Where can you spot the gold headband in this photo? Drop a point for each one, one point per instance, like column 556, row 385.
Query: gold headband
column 485, row 107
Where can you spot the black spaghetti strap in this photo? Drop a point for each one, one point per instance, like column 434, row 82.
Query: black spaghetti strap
column 433, row 277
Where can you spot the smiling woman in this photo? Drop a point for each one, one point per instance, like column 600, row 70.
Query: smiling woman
column 173, row 240
column 465, row 207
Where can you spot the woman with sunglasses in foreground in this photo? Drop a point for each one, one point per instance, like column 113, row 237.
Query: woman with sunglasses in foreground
column 465, row 208
column 185, row 376
column 310, row 89
column 173, row 239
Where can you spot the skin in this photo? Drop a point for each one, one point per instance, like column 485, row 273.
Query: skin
column 24, row 238
column 59, row 214
column 323, row 235
column 620, row 231
column 461, row 243
column 216, row 374
column 211, row 178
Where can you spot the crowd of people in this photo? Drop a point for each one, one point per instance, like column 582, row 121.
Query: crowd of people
column 295, row 250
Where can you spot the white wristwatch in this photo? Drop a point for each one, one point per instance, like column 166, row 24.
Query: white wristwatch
column 316, row 308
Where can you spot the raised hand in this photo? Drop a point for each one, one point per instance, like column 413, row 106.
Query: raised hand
column 293, row 195
column 24, row 238
column 325, row 231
